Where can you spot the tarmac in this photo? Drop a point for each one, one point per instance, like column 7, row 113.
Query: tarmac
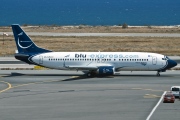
column 64, row 95
column 69, row 95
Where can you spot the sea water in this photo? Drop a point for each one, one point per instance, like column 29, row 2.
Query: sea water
column 89, row 12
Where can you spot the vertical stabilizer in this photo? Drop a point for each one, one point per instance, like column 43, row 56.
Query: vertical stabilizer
column 24, row 43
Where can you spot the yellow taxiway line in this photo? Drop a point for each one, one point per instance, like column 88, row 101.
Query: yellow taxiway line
column 9, row 86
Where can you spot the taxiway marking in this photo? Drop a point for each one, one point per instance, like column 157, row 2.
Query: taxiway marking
column 147, row 89
column 9, row 86
column 153, row 110
column 37, row 83
column 151, row 96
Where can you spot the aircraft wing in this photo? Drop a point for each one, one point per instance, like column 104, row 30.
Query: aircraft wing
column 87, row 67
column 82, row 67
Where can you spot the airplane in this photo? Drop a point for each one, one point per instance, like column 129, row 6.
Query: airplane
column 91, row 63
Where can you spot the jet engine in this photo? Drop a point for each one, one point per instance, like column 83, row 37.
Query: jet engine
column 106, row 70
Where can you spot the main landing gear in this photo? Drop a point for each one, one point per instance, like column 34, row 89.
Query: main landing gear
column 91, row 73
column 158, row 73
column 88, row 74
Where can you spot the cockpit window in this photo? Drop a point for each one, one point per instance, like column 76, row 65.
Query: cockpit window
column 167, row 58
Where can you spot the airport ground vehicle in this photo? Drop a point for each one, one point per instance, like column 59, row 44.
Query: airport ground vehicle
column 175, row 91
column 169, row 98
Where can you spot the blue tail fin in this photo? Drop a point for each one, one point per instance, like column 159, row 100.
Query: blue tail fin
column 24, row 43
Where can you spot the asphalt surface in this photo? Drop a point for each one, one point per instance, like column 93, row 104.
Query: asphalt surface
column 62, row 95
column 102, row 34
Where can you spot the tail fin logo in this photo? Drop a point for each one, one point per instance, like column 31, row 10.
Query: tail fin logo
column 20, row 34
column 26, row 44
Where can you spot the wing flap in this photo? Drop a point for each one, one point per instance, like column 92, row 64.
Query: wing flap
column 85, row 67
column 82, row 67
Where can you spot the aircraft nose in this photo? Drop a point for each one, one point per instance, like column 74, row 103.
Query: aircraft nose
column 171, row 63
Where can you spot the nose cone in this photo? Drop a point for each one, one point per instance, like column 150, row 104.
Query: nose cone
column 171, row 63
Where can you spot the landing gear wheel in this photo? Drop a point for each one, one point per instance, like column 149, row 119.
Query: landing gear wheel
column 158, row 74
column 89, row 74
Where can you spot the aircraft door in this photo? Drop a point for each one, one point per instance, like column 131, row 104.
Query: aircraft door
column 154, row 60
column 40, row 59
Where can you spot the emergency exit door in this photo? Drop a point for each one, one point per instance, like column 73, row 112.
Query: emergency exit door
column 40, row 59
column 154, row 60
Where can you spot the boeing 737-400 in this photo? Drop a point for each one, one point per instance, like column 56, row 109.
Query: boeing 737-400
column 92, row 63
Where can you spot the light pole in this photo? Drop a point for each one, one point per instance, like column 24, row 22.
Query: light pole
column 3, row 37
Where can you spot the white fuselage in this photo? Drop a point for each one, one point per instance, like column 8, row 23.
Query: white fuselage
column 121, row 61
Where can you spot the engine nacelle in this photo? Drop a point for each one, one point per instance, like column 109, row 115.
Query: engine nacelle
column 106, row 70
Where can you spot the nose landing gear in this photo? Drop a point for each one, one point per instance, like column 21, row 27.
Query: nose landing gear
column 158, row 73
